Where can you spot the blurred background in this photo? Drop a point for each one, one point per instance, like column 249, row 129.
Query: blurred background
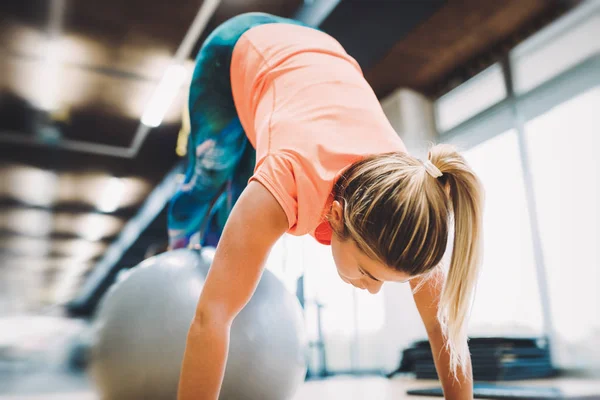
column 92, row 96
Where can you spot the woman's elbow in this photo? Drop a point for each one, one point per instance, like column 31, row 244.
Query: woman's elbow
column 207, row 317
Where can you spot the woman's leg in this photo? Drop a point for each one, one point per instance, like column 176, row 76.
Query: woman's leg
column 235, row 186
column 217, row 140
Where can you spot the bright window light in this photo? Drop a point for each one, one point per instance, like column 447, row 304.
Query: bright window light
column 111, row 196
column 560, row 46
column 164, row 95
column 478, row 93
column 567, row 190
column 508, row 259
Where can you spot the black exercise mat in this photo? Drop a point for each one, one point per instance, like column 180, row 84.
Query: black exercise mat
column 490, row 391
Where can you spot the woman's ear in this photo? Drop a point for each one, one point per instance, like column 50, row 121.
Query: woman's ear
column 336, row 216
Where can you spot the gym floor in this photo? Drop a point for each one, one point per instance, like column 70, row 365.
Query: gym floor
column 77, row 387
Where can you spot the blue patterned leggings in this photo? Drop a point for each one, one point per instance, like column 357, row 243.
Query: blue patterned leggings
column 220, row 158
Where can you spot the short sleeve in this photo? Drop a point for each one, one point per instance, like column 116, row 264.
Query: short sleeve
column 294, row 190
column 275, row 173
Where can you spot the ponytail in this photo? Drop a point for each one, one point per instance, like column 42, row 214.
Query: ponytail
column 465, row 194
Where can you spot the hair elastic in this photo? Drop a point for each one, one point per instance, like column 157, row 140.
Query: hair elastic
column 432, row 169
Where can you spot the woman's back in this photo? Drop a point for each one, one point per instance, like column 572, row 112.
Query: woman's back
column 309, row 112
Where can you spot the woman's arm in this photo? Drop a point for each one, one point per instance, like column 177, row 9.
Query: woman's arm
column 255, row 224
column 427, row 301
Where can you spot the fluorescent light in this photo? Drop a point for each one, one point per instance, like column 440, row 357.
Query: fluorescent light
column 83, row 250
column 94, row 227
column 35, row 247
column 93, row 234
column 29, row 221
column 32, row 185
column 91, row 226
column 50, row 80
column 111, row 196
column 164, row 95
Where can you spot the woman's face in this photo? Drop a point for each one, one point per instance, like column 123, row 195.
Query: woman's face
column 357, row 269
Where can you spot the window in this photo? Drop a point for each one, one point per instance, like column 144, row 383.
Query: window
column 507, row 299
column 563, row 146
column 472, row 97
column 557, row 48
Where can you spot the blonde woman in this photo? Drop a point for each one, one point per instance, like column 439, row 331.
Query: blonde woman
column 324, row 161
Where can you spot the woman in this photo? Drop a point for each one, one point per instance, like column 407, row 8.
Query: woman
column 328, row 164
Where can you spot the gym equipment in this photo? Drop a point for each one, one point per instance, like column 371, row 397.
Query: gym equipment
column 493, row 359
column 142, row 324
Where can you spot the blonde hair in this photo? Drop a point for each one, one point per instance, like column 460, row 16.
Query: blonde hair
column 398, row 213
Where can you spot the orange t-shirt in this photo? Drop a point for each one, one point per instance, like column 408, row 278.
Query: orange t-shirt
column 309, row 113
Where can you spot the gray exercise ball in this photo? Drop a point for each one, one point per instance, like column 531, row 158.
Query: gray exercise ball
column 142, row 323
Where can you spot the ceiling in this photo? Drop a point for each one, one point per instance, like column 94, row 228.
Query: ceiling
column 76, row 76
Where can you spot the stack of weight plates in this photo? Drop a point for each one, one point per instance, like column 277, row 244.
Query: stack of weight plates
column 493, row 359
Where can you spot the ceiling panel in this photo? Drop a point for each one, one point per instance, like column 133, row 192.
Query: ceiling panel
column 455, row 34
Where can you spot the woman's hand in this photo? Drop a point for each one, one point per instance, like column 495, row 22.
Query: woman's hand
column 256, row 222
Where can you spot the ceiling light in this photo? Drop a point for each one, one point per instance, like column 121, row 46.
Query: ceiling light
column 164, row 95
column 33, row 186
column 94, row 227
column 76, row 223
column 110, row 199
column 49, row 81
column 24, row 265
column 83, row 250
column 93, row 233
column 22, row 245
column 32, row 222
